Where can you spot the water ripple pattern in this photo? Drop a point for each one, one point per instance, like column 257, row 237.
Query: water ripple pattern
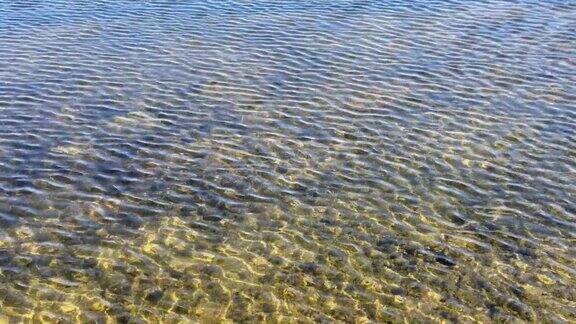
column 287, row 161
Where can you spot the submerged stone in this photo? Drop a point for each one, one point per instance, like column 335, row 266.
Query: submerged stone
column 442, row 259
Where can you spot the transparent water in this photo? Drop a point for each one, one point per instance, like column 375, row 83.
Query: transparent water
column 287, row 161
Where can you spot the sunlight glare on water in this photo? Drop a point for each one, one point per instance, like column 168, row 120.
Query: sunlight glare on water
column 287, row 161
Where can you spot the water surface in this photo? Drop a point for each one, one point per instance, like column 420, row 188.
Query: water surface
column 287, row 161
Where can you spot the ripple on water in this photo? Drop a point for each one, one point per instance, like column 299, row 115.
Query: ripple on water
column 287, row 161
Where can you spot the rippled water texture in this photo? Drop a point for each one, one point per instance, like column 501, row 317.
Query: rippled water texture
column 287, row 161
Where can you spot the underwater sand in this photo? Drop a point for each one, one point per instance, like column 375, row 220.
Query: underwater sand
column 287, row 161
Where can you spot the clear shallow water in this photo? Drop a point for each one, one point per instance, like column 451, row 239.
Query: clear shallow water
column 288, row 161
